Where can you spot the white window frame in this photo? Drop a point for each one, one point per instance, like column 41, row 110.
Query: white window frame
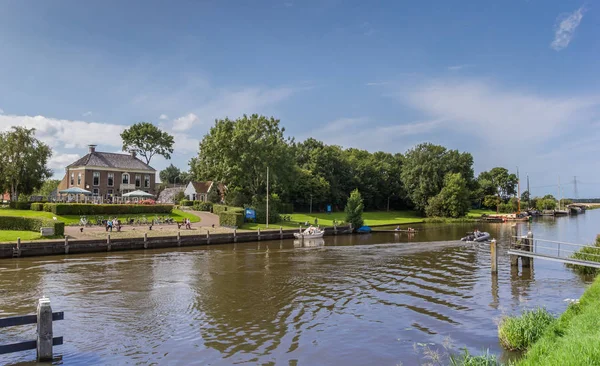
column 147, row 181
column 96, row 192
column 78, row 179
column 136, row 180
column 108, row 177
column 72, row 179
column 94, row 179
column 123, row 178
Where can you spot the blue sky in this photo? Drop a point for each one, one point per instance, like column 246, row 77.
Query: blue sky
column 516, row 83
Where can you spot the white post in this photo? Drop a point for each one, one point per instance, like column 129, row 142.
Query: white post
column 267, row 201
column 235, row 235
column 44, row 330
column 258, row 233
column 494, row 254
column 145, row 240
column 280, row 232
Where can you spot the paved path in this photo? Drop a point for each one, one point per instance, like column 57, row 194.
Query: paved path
column 206, row 218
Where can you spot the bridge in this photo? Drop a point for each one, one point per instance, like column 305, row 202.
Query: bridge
column 558, row 251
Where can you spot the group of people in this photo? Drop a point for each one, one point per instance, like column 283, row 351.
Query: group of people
column 113, row 223
column 410, row 229
column 187, row 223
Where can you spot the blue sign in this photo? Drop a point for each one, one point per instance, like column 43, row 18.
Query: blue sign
column 250, row 214
column 328, row 208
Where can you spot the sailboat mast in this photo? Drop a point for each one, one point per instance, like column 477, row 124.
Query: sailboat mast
column 518, row 192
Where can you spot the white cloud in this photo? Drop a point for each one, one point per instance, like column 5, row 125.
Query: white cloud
column 163, row 117
column 59, row 161
column 565, row 29
column 498, row 116
column 66, row 133
column 87, row 114
column 184, row 123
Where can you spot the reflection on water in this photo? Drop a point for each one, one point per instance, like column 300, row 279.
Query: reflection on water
column 353, row 300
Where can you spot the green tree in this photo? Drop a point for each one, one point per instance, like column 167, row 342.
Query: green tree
column 354, row 209
column 498, row 181
column 492, row 201
column 214, row 195
column 453, row 200
column 239, row 152
column 185, row 178
column 178, row 197
column 525, row 196
column 147, row 140
column 25, row 159
column 171, row 175
column 47, row 188
column 546, row 203
column 307, row 186
column 425, row 168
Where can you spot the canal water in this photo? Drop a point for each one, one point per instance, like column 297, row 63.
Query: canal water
column 379, row 299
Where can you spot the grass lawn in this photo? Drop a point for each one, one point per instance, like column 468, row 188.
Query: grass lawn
column 573, row 339
column 370, row 218
column 12, row 235
column 478, row 212
column 178, row 215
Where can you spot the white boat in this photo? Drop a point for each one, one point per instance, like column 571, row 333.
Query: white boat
column 482, row 236
column 310, row 233
column 309, row 243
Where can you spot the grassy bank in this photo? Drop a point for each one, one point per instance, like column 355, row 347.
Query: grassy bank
column 573, row 338
column 12, row 235
column 178, row 215
column 324, row 219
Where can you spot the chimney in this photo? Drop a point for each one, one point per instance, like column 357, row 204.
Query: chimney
column 133, row 154
column 92, row 149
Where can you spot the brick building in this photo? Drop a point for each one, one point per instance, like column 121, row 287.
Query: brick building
column 109, row 175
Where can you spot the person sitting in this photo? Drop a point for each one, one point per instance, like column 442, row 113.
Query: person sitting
column 476, row 233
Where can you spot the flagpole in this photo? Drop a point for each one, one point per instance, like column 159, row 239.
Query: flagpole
column 267, row 197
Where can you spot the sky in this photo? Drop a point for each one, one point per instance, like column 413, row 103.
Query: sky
column 515, row 83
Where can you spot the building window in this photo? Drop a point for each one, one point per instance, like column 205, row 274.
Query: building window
column 72, row 178
column 111, row 179
column 96, row 180
column 146, row 181
column 138, row 180
column 125, row 178
column 78, row 179
column 96, row 192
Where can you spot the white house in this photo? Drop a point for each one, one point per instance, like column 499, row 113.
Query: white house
column 198, row 191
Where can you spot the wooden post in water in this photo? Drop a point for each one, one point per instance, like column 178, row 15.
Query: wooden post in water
column 335, row 229
column 66, row 245
column 526, row 261
column 280, row 232
column 179, row 238
column 207, row 236
column 44, row 330
column 17, row 251
column 108, row 242
column 514, row 259
column 259, row 234
column 235, row 235
column 145, row 240
column 494, row 254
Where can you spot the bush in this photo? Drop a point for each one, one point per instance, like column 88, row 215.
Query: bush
column 519, row 333
column 259, row 204
column 203, row 206
column 287, row 208
column 592, row 254
column 92, row 209
column 505, row 208
column 37, row 206
column 30, row 224
column 186, row 203
column 467, row 359
column 19, row 205
column 217, row 209
column 231, row 218
column 48, row 207
column 354, row 209
column 178, row 196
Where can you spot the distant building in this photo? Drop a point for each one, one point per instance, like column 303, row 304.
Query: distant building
column 109, row 175
column 5, row 197
column 198, row 191
column 167, row 195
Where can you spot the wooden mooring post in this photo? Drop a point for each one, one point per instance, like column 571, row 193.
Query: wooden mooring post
column 17, row 250
column 45, row 340
column 145, row 240
column 494, row 255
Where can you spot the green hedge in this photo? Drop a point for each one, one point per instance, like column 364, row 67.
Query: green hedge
column 92, row 209
column 186, row 203
column 17, row 205
column 37, row 206
column 30, row 224
column 217, row 209
column 231, row 218
column 48, row 207
column 203, row 206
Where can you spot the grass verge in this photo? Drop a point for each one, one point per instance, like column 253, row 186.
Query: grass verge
column 573, row 338
column 467, row 359
column 12, row 235
column 371, row 218
column 178, row 215
column 520, row 332
column 591, row 253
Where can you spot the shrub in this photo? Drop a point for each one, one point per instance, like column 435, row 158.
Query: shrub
column 30, row 224
column 19, row 205
column 217, row 209
column 259, row 204
column 231, row 218
column 287, row 208
column 591, row 253
column 354, row 209
column 37, row 206
column 467, row 359
column 186, row 203
column 48, row 207
column 519, row 333
column 505, row 208
column 93, row 209
column 203, row 206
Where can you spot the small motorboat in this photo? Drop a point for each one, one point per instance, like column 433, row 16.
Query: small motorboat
column 310, row 233
column 363, row 230
column 309, row 243
column 481, row 236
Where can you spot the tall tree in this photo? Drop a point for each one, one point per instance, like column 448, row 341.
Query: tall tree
column 500, row 182
column 354, row 209
column 239, row 152
column 25, row 161
column 170, row 174
column 453, row 200
column 47, row 188
column 424, row 170
column 147, row 140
